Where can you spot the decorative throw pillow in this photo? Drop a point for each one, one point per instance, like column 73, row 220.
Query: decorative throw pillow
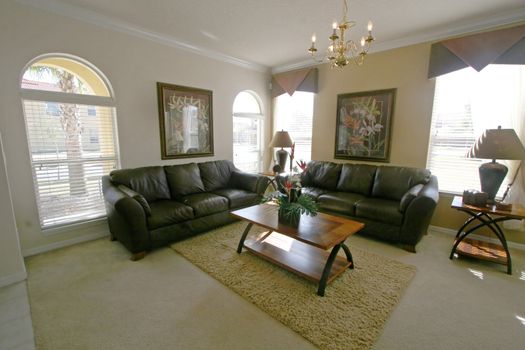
column 138, row 197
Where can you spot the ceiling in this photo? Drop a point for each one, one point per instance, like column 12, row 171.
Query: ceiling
column 276, row 33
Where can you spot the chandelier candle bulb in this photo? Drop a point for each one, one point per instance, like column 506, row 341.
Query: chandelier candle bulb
column 370, row 26
column 362, row 41
column 313, row 38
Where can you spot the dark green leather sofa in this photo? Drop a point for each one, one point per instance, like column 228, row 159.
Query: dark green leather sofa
column 394, row 203
column 150, row 207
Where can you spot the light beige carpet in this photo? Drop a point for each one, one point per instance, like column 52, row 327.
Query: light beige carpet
column 350, row 316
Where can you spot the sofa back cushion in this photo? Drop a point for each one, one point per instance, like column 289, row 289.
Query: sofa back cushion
column 184, row 179
column 216, row 174
column 357, row 178
column 393, row 182
column 321, row 174
column 148, row 181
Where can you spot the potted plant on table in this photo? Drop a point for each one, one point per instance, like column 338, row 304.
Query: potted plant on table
column 292, row 204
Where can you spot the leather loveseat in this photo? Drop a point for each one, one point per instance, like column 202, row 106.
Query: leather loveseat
column 152, row 206
column 394, row 203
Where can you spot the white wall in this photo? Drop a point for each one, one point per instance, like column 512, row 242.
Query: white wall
column 133, row 66
column 12, row 267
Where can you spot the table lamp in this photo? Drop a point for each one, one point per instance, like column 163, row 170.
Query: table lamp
column 495, row 144
column 281, row 139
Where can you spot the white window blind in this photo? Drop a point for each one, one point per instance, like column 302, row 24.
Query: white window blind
column 466, row 103
column 295, row 115
column 67, row 170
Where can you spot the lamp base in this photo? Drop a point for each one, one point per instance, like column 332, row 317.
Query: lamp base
column 491, row 176
column 281, row 156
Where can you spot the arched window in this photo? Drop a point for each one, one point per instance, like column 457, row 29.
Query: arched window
column 71, row 129
column 247, row 132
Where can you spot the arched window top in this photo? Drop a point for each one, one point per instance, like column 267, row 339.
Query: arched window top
column 246, row 102
column 66, row 75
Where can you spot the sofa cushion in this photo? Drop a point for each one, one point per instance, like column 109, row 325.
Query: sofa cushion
column 244, row 181
column 357, row 178
column 340, row 202
column 148, row 181
column 184, row 179
column 205, row 203
column 216, row 174
column 238, row 198
column 321, row 174
column 313, row 192
column 168, row 212
column 138, row 197
column 381, row 210
column 393, row 182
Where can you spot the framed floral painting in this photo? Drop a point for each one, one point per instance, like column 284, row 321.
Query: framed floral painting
column 364, row 123
column 186, row 121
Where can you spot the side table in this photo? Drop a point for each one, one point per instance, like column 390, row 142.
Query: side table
column 271, row 176
column 488, row 216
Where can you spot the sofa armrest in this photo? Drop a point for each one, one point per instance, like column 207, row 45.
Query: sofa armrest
column 249, row 182
column 409, row 196
column 419, row 212
column 126, row 218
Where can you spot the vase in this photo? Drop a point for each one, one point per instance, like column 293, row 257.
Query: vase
column 289, row 219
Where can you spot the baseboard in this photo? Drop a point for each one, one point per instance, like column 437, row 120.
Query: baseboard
column 13, row 278
column 451, row 232
column 66, row 243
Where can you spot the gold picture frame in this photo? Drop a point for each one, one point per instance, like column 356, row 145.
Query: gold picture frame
column 364, row 125
column 186, row 121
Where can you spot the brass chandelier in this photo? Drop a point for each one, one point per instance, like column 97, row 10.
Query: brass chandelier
column 341, row 52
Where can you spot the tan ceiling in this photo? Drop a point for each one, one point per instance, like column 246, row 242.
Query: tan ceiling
column 276, row 33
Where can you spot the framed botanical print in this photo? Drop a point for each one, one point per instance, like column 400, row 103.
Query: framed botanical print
column 364, row 123
column 186, row 121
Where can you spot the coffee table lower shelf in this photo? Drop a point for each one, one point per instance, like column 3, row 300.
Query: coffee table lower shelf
column 302, row 259
column 482, row 250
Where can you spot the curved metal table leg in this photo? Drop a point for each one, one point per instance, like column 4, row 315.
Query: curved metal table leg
column 492, row 224
column 348, row 255
column 243, row 238
column 327, row 269
column 468, row 221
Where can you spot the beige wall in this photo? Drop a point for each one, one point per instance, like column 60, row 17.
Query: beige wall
column 12, row 267
column 406, row 70
column 133, row 66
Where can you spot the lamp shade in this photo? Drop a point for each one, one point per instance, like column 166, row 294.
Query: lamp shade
column 497, row 144
column 281, row 139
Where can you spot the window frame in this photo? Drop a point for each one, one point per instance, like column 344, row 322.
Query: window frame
column 455, row 136
column 261, row 118
column 58, row 97
column 277, row 126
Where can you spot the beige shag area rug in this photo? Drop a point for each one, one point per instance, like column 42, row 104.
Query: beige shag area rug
column 350, row 316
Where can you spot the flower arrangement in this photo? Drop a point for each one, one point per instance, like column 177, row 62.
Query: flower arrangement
column 292, row 204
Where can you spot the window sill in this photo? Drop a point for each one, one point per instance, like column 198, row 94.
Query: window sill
column 82, row 225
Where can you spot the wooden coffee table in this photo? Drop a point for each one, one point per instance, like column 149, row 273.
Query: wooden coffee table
column 302, row 250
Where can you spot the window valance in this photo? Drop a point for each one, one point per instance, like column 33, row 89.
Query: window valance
column 297, row 80
column 504, row 46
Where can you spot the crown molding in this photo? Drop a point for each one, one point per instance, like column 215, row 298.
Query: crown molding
column 499, row 20
column 127, row 28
